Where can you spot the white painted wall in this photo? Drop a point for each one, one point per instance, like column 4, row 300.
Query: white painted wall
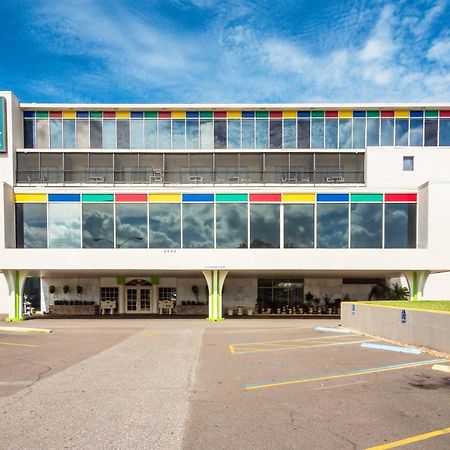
column 239, row 291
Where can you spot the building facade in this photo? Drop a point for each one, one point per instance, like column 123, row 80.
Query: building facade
column 221, row 206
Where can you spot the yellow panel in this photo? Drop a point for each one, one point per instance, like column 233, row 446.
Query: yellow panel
column 164, row 198
column 289, row 114
column 25, row 198
column 178, row 114
column 299, row 198
column 123, row 114
column 69, row 114
column 234, row 114
column 345, row 114
column 402, row 114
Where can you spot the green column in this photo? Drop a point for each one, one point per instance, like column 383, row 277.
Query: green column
column 415, row 287
column 215, row 279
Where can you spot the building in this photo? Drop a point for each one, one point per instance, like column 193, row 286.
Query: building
column 226, row 205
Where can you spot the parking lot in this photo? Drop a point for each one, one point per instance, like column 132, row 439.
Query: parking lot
column 239, row 384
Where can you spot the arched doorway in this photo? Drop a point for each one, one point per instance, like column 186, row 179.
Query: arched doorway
column 138, row 295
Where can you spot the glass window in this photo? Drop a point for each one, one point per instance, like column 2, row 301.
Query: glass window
column 250, row 167
column 400, row 225
column 248, row 133
column 234, row 134
column 98, row 225
column 55, row 133
column 206, row 134
column 96, row 133
column 366, row 229
column 165, row 225
column 298, row 226
column 401, row 132
column 27, row 167
column 303, row 133
column 416, row 132
column 82, row 134
column 387, row 132
column 192, row 136
column 359, row 133
column 264, row 226
column 331, row 133
column 137, row 133
column 69, row 133
column 444, row 132
column 109, row 133
column 123, row 133
column 332, row 225
column 198, row 225
column 131, row 225
column 373, row 132
column 64, row 225
column 408, row 163
column 42, row 133
column 262, row 133
column 164, row 130
column 31, row 225
column 28, row 133
column 289, row 133
column 52, row 167
column 345, row 133
column 352, row 167
column 76, row 167
column 275, row 133
column 178, row 133
column 231, row 225
column 220, row 134
column 317, row 133
column 150, row 137
column 431, row 129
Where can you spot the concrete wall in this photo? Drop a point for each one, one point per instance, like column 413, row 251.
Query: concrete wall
column 422, row 328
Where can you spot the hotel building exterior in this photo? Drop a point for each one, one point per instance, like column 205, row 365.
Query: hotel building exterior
column 226, row 205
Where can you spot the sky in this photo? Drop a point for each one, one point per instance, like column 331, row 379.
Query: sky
column 236, row 51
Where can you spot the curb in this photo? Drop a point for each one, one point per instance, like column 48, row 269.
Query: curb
column 441, row 367
column 26, row 330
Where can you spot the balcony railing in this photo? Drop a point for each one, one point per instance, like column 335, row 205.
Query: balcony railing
column 228, row 177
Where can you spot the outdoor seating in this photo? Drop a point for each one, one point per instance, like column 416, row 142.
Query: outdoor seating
column 108, row 305
column 166, row 306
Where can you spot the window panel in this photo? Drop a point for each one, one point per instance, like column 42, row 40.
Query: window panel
column 31, row 225
column 76, row 167
column 366, row 225
column 431, row 128
column 234, row 134
column 331, row 133
column 137, row 133
column 359, row 133
column 416, row 132
column 28, row 133
column 373, row 132
column 248, row 133
column 42, row 133
column 220, row 134
column 400, row 225
column 289, row 133
column 55, row 133
column 401, row 132
column 123, row 133
column 303, row 133
column 178, row 133
column 387, row 132
column 82, row 134
column 52, row 167
column 262, row 133
column 165, row 226
column 192, row 133
column 69, row 133
column 96, row 130
column 408, row 163
column 131, row 225
column 150, row 137
column 264, row 226
column 98, row 225
column 332, row 225
column 64, row 225
column 206, row 134
column 109, row 134
column 164, row 131
column 317, row 133
column 198, row 225
column 444, row 132
column 298, row 226
column 231, row 225
column 345, row 133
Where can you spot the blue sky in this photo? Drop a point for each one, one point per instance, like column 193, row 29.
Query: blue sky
column 208, row 51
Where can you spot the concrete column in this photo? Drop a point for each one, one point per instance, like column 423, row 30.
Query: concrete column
column 15, row 280
column 215, row 280
column 416, row 283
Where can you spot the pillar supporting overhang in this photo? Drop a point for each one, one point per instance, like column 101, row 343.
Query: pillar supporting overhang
column 215, row 280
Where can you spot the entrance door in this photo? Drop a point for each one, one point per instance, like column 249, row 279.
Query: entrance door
column 139, row 300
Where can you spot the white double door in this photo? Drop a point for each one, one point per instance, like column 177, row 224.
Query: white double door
column 139, row 300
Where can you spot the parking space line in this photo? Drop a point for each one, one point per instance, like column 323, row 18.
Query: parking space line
column 441, row 367
column 392, row 348
column 252, row 387
column 18, row 345
column 410, row 440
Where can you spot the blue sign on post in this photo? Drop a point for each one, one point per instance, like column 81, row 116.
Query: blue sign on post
column 353, row 308
column 403, row 315
column 2, row 124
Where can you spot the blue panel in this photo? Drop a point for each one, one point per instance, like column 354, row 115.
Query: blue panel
column 416, row 114
column 198, row 197
column 248, row 114
column 63, row 197
column 137, row 114
column 359, row 114
column 28, row 114
column 191, row 114
column 332, row 197
column 303, row 114
column 82, row 114
column 2, row 124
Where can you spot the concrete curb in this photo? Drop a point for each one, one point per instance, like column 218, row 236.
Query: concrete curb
column 441, row 367
column 26, row 330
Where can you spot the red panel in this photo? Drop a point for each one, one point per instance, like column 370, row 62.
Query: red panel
column 55, row 114
column 331, row 114
column 400, row 197
column 220, row 114
column 445, row 113
column 276, row 114
column 387, row 114
column 131, row 197
column 109, row 114
column 164, row 114
column 265, row 197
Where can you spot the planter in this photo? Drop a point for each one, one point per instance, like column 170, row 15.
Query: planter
column 249, row 312
column 229, row 311
column 73, row 310
column 192, row 309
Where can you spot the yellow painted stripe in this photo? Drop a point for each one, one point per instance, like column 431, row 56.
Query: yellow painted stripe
column 234, row 114
column 178, row 114
column 164, row 198
column 406, row 307
column 123, row 114
column 419, row 437
column 401, row 113
column 25, row 198
column 302, row 198
column 345, row 114
column 289, row 114
column 69, row 114
column 18, row 345
column 231, row 348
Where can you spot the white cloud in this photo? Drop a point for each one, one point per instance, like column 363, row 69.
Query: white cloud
column 440, row 51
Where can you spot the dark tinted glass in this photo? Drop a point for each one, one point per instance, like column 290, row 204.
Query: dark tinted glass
column 264, row 226
column 96, row 134
column 332, row 225
column 198, row 225
column 98, row 225
column 444, row 132
column 401, row 132
column 373, row 132
column 416, row 132
column 31, row 225
column 123, row 134
column 220, row 134
column 366, row 228
column 431, row 129
column 165, row 226
column 400, row 225
column 28, row 130
column 303, row 131
column 131, row 225
column 231, row 225
column 275, row 133
column 298, row 226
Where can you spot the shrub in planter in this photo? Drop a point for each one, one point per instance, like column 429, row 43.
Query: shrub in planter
column 51, row 289
column 66, row 289
column 79, row 290
column 57, row 302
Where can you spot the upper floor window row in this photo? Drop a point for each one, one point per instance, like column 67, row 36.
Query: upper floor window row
column 243, row 130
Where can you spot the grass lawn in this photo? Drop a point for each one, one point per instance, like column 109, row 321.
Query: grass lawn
column 432, row 305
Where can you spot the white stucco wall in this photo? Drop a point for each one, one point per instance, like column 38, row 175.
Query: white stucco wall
column 240, row 291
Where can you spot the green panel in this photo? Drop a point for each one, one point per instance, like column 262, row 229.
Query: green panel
column 262, row 114
column 42, row 114
column 98, row 197
column 95, row 114
column 431, row 114
column 378, row 198
column 150, row 114
column 206, row 115
column 317, row 114
column 2, row 125
column 373, row 113
column 154, row 279
column 121, row 280
column 231, row 197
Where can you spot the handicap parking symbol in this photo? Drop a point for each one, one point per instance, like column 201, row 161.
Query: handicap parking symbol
column 403, row 315
column 353, row 309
